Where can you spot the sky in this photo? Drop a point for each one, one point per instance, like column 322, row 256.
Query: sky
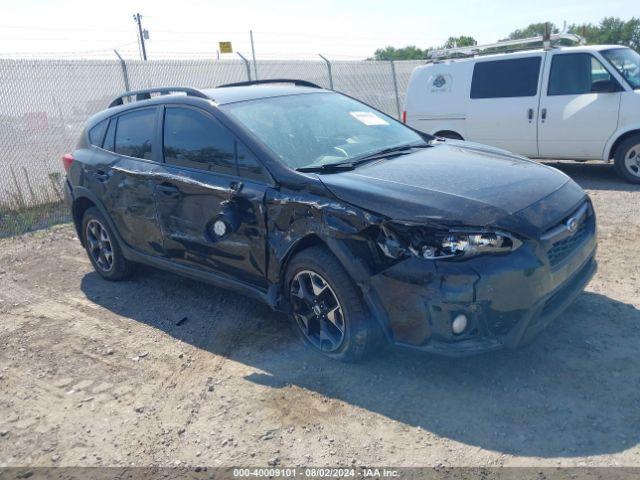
column 338, row 29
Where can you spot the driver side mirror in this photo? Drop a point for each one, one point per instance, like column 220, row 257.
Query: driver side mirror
column 606, row 86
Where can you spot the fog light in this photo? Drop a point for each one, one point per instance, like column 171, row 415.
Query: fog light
column 459, row 324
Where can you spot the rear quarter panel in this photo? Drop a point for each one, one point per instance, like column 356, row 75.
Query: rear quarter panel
column 438, row 96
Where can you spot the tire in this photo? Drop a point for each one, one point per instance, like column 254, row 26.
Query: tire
column 627, row 159
column 102, row 247
column 360, row 333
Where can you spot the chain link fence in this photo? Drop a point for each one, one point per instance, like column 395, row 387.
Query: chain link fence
column 44, row 105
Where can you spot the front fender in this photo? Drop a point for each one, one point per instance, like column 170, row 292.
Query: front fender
column 297, row 220
column 293, row 218
column 608, row 148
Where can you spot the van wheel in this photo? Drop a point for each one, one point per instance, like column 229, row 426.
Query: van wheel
column 627, row 159
column 102, row 247
column 326, row 308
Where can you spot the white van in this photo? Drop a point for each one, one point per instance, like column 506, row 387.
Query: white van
column 577, row 103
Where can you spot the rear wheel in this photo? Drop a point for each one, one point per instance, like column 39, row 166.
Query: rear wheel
column 326, row 308
column 102, row 247
column 627, row 159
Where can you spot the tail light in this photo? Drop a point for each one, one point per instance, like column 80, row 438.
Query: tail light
column 404, row 116
column 67, row 160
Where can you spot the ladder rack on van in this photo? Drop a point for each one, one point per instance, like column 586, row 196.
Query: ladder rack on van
column 545, row 41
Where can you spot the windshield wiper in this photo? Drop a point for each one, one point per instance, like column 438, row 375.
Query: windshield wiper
column 342, row 166
column 386, row 152
column 329, row 167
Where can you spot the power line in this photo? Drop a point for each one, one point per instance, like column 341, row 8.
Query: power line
column 219, row 32
column 30, row 27
column 49, row 39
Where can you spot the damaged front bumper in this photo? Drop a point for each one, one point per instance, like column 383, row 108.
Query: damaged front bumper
column 506, row 299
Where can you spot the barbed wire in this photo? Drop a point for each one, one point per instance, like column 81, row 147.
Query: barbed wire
column 109, row 54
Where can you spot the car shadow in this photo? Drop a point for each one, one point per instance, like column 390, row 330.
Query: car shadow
column 573, row 392
column 594, row 175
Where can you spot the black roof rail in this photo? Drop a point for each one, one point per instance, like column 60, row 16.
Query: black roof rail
column 296, row 82
column 146, row 94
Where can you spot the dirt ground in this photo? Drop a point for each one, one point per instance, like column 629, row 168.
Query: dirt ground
column 160, row 370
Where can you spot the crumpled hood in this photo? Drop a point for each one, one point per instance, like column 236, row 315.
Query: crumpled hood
column 455, row 183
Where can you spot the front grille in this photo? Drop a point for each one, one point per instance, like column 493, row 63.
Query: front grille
column 565, row 247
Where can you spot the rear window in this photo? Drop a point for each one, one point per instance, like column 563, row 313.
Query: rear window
column 96, row 134
column 110, row 137
column 506, row 78
column 135, row 132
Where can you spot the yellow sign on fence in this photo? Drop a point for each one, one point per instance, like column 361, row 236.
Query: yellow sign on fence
column 225, row 47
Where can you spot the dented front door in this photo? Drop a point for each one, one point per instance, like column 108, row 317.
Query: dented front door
column 210, row 217
column 212, row 222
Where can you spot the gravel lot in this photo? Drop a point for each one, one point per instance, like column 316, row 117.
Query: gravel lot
column 160, row 370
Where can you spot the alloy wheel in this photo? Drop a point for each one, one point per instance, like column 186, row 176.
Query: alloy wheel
column 632, row 160
column 317, row 311
column 99, row 245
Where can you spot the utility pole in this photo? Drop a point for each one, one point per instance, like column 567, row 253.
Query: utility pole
column 253, row 53
column 138, row 19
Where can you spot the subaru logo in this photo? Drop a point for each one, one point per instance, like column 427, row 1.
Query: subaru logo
column 572, row 224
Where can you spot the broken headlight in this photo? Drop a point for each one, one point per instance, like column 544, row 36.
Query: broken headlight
column 435, row 244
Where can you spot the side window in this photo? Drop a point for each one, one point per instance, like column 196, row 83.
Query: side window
column 110, row 137
column 248, row 165
column 193, row 139
column 96, row 134
column 506, row 78
column 575, row 74
column 135, row 132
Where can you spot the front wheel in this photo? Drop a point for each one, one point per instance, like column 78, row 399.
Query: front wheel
column 627, row 159
column 326, row 308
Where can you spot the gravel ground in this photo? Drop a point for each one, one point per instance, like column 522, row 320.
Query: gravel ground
column 160, row 370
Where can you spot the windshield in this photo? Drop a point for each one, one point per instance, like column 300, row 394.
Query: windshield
column 627, row 62
column 322, row 128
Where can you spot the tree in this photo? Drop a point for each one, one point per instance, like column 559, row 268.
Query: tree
column 410, row 52
column 612, row 31
column 533, row 30
column 461, row 41
column 587, row 30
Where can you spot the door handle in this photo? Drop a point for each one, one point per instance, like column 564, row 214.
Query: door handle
column 530, row 114
column 543, row 114
column 168, row 190
column 101, row 176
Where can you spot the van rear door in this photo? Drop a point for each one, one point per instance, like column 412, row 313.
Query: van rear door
column 503, row 105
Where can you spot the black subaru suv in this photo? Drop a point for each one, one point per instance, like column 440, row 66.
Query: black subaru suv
column 357, row 226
